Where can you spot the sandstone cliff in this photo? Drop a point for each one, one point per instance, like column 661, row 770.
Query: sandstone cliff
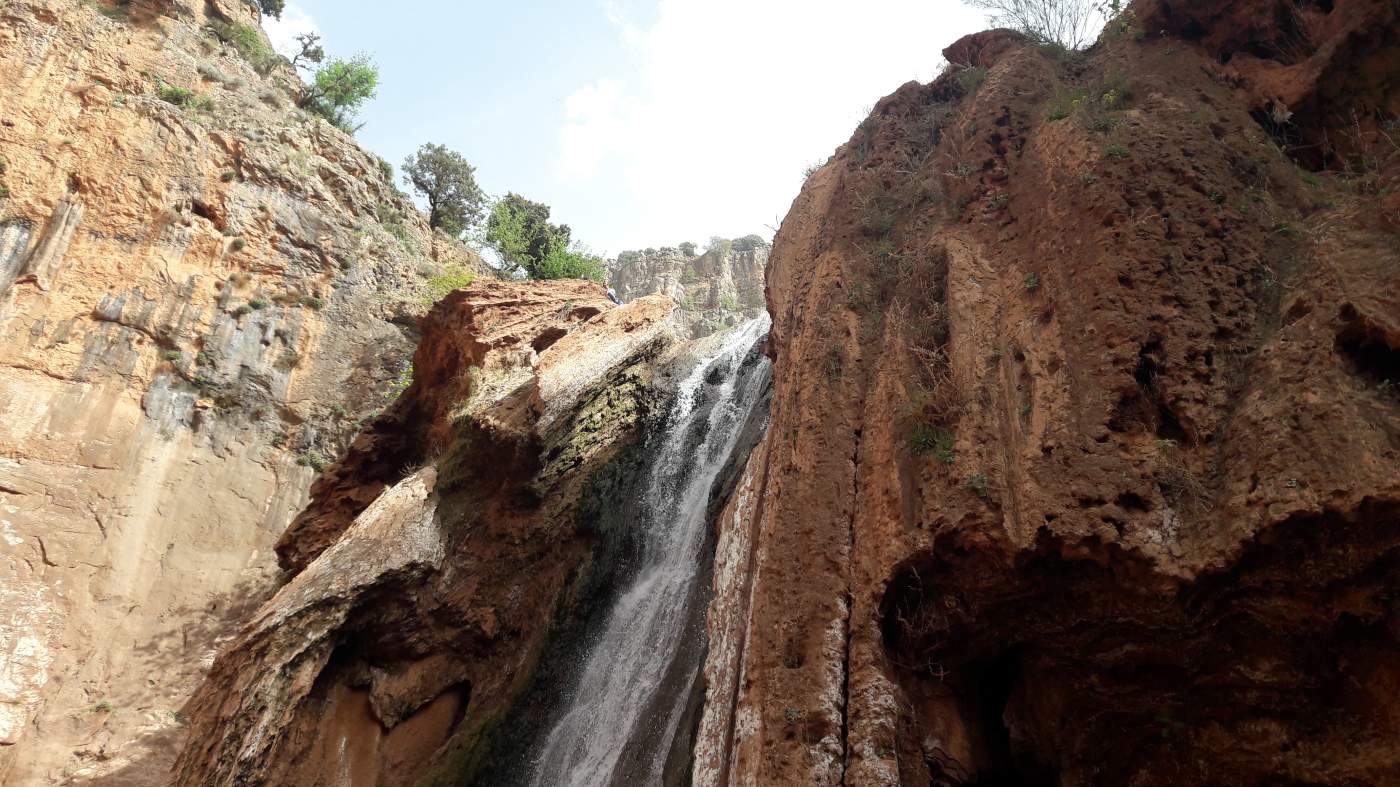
column 480, row 516
column 1084, row 464
column 197, row 305
column 717, row 289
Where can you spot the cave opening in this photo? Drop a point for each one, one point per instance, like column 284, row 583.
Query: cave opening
column 1008, row 765
column 1022, row 671
column 1367, row 350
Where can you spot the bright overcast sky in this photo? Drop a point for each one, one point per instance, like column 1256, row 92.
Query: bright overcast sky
column 640, row 122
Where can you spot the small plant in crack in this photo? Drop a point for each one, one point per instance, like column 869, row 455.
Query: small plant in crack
column 978, row 484
column 969, row 79
column 933, row 440
column 1116, row 152
column 832, row 364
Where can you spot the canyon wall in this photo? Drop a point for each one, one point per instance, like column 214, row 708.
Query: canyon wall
column 470, row 529
column 716, row 290
column 1084, row 462
column 198, row 303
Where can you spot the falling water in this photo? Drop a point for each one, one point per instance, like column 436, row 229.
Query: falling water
column 626, row 689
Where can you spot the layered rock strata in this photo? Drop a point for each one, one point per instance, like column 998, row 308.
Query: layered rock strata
column 476, row 519
column 201, row 293
column 716, row 290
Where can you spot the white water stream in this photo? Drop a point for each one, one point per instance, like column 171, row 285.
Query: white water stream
column 616, row 698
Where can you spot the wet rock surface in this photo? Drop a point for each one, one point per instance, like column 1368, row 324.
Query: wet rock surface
column 424, row 598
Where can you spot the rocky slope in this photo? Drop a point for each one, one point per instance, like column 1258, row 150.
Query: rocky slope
column 197, row 304
column 717, row 289
column 1084, row 464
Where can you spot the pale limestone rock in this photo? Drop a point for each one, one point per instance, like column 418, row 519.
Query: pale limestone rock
column 576, row 362
column 190, row 303
column 716, row 290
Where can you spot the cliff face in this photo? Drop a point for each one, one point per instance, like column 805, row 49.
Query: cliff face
column 716, row 290
column 463, row 527
column 1083, row 464
column 197, row 304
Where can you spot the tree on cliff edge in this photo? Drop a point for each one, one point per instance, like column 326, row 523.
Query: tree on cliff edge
column 448, row 182
column 520, row 232
column 1071, row 24
column 340, row 88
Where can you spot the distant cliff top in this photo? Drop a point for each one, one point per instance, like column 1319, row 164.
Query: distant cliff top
column 716, row 288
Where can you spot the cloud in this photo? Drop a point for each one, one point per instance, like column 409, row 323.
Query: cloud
column 592, row 128
column 283, row 32
column 728, row 101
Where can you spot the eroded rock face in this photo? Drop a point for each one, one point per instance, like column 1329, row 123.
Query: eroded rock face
column 197, row 304
column 716, row 290
column 434, row 561
column 1302, row 67
column 1084, row 465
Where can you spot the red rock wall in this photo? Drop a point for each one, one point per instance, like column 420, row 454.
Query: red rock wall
column 1084, row 465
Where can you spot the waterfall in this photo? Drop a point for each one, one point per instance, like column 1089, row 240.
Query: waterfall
column 633, row 686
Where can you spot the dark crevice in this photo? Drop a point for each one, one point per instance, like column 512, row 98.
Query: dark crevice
column 1367, row 350
column 997, row 682
column 1130, row 501
column 547, row 338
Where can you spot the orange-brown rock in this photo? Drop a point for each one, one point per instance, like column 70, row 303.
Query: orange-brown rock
column 1084, row 464
column 197, row 304
column 1318, row 74
column 461, row 530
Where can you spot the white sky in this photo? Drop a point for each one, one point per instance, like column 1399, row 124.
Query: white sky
column 662, row 120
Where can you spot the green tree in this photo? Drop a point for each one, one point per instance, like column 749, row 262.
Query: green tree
column 340, row 88
column 448, row 182
column 272, row 8
column 749, row 243
column 519, row 230
column 574, row 262
column 309, row 50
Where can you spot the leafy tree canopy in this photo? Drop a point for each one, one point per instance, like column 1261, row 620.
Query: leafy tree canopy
column 340, row 88
column 574, row 262
column 448, row 182
column 309, row 50
column 749, row 243
column 519, row 230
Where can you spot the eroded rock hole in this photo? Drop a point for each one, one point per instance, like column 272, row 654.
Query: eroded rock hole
column 1143, row 408
column 1368, row 350
column 547, row 338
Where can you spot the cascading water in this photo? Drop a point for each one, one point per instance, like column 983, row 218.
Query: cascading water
column 629, row 689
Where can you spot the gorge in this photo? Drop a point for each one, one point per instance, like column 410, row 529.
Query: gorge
column 1054, row 439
